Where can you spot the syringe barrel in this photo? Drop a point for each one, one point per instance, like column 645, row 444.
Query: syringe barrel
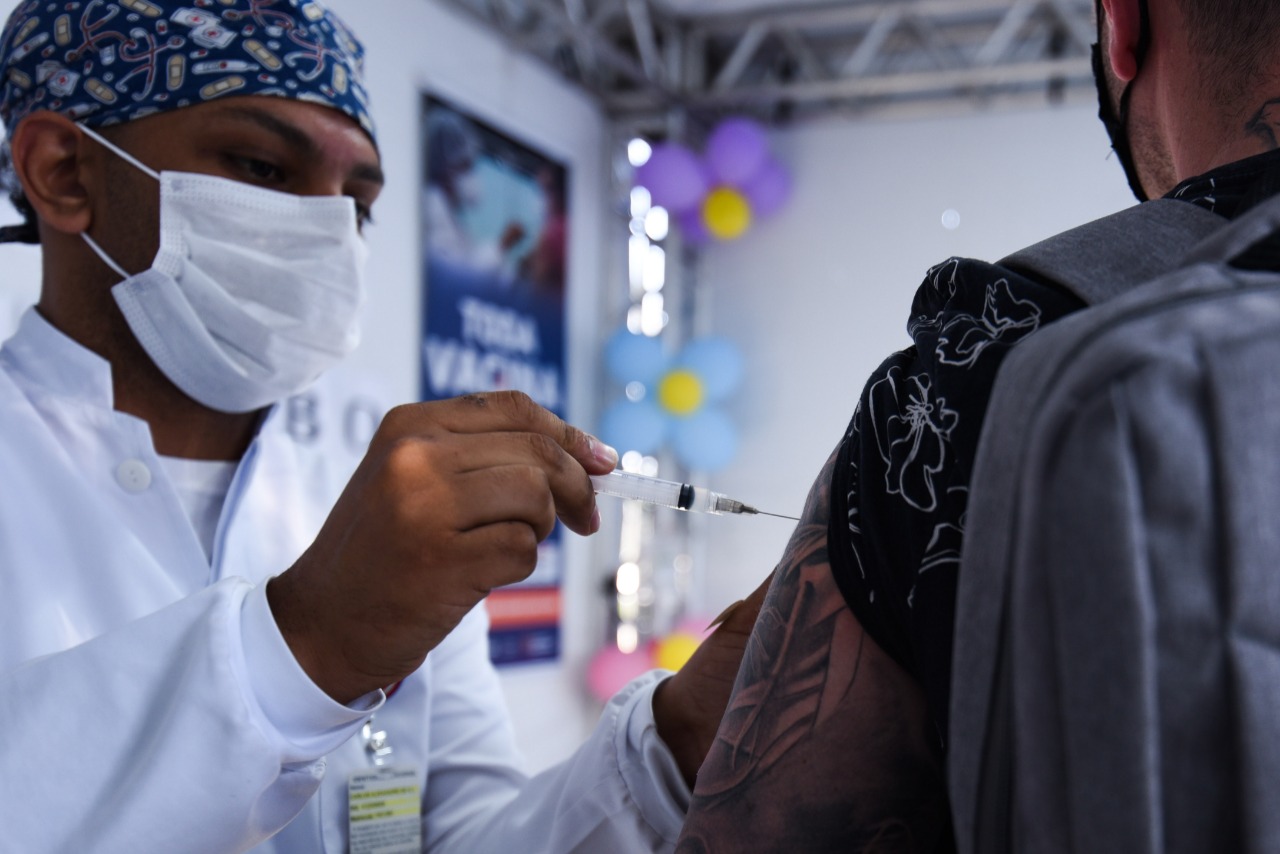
column 653, row 490
column 666, row 493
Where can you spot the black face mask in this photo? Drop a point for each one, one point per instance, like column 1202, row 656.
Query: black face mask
column 1117, row 121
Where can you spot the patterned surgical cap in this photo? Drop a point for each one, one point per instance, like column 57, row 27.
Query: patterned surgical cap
column 104, row 62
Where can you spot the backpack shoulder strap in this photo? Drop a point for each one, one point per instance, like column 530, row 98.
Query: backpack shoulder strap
column 1097, row 261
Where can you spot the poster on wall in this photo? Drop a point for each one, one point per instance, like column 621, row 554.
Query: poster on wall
column 494, row 237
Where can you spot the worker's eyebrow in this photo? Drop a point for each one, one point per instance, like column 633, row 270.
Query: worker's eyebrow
column 291, row 134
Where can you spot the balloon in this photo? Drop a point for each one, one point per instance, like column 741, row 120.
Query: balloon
column 674, row 177
column 726, row 213
column 680, row 392
column 611, row 669
column 675, row 650
column 769, row 189
column 705, row 441
column 736, row 150
column 634, row 426
column 692, row 228
column 634, row 358
column 698, row 625
column 717, row 362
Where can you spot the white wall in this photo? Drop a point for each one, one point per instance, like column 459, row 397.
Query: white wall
column 819, row 296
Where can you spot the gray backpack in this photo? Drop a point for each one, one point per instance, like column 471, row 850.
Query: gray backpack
column 1116, row 679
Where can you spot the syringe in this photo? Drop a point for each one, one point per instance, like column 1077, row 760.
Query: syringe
column 669, row 493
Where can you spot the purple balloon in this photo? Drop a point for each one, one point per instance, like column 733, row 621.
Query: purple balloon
column 736, row 151
column 692, row 227
column 770, row 188
column 674, row 177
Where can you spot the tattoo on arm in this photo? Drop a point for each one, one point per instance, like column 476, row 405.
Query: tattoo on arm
column 825, row 743
column 1265, row 124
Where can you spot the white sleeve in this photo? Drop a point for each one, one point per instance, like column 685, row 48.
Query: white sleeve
column 148, row 737
column 620, row 792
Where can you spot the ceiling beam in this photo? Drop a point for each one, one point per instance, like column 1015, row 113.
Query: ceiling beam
column 799, row 59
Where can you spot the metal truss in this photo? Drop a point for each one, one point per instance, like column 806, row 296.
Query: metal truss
column 647, row 61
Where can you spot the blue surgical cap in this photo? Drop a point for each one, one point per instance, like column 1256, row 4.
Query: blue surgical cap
column 104, row 62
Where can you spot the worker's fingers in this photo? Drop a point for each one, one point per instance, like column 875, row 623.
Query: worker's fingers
column 506, row 494
column 479, row 479
column 502, row 553
column 497, row 412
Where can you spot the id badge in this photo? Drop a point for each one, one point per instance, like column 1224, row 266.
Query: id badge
column 384, row 808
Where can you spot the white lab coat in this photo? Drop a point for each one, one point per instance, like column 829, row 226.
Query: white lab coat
column 149, row 704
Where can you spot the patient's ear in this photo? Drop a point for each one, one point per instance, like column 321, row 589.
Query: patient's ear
column 49, row 158
column 1124, row 19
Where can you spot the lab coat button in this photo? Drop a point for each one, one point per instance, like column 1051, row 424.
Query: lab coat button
column 133, row 476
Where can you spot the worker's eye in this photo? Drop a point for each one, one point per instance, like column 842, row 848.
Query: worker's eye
column 257, row 171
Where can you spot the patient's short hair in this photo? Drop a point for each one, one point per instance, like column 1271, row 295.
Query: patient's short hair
column 1239, row 40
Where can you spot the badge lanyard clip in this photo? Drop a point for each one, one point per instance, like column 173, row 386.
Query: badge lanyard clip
column 376, row 744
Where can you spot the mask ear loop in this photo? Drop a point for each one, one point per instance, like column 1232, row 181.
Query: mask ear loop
column 106, row 259
column 117, row 151
column 132, row 161
column 1144, row 34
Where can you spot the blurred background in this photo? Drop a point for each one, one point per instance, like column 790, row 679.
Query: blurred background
column 693, row 227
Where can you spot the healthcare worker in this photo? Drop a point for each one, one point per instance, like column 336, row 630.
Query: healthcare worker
column 196, row 652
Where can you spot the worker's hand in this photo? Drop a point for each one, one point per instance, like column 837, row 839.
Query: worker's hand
column 687, row 707
column 450, row 501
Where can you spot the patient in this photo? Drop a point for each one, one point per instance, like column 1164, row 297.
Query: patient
column 835, row 738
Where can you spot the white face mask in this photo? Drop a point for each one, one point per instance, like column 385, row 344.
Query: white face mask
column 253, row 294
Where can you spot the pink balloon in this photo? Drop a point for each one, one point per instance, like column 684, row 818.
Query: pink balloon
column 770, row 188
column 611, row 669
column 736, row 151
column 698, row 625
column 674, row 177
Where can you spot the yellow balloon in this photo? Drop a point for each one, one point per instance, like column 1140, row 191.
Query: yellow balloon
column 675, row 650
column 726, row 213
column 680, row 392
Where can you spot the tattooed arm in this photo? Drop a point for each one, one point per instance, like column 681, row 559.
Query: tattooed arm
column 824, row 745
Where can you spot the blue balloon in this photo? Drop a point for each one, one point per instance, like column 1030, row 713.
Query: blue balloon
column 634, row 358
column 705, row 441
column 639, row 426
column 718, row 363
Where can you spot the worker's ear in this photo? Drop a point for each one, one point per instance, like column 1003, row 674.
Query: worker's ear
column 47, row 155
column 1124, row 20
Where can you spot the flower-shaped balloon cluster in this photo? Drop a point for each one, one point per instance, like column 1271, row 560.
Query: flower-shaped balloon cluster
column 720, row 194
column 673, row 400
